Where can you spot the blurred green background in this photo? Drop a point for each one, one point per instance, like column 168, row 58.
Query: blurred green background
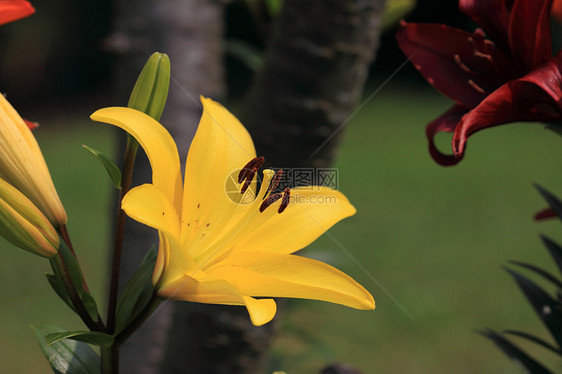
column 435, row 238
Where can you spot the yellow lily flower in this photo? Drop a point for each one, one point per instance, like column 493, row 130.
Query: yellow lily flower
column 23, row 165
column 23, row 225
column 218, row 249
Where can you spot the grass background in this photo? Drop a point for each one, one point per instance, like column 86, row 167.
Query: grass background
column 435, row 238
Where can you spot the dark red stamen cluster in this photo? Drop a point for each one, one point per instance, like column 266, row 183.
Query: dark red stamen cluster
column 248, row 172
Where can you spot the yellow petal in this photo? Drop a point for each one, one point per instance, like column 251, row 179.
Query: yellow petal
column 264, row 274
column 156, row 142
column 311, row 211
column 148, row 205
column 218, row 291
column 23, row 166
column 220, row 148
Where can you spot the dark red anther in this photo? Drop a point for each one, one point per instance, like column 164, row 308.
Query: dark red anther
column 246, row 169
column 285, row 201
column 270, row 200
column 249, row 179
column 275, row 182
column 259, row 162
column 249, row 171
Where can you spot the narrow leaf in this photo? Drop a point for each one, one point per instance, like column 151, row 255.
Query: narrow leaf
column 545, row 274
column 67, row 356
column 90, row 337
column 534, row 339
column 57, row 285
column 90, row 304
column 71, row 266
column 515, row 353
column 555, row 251
column 544, row 305
column 76, row 277
column 110, row 167
column 137, row 292
column 552, row 200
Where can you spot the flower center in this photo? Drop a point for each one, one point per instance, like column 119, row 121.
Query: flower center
column 247, row 175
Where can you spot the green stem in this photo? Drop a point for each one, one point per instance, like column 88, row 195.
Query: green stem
column 62, row 269
column 110, row 359
column 128, row 164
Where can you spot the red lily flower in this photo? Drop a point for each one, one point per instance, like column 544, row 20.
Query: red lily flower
column 12, row 10
column 557, row 9
column 509, row 76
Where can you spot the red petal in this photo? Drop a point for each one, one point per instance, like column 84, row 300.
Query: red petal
column 12, row 10
column 545, row 214
column 491, row 15
column 529, row 32
column 432, row 49
column 557, row 9
column 447, row 122
column 535, row 97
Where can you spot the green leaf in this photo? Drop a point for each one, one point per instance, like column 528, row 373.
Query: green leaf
column 555, row 251
column 58, row 286
column 515, row 353
column 90, row 337
column 110, row 167
column 534, row 339
column 90, row 304
column 544, row 305
column 151, row 89
column 67, row 356
column 545, row 274
column 71, row 266
column 137, row 293
column 552, row 200
column 76, row 277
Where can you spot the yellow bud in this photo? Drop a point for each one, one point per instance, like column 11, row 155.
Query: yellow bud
column 23, row 166
column 23, row 224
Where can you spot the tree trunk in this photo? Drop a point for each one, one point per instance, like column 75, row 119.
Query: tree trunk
column 313, row 77
column 190, row 32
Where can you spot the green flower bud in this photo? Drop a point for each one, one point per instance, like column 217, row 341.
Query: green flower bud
column 151, row 90
column 23, row 224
